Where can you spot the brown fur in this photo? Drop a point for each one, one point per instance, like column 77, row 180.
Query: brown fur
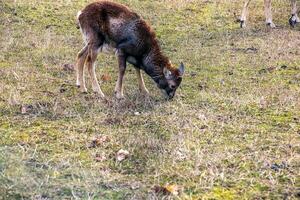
column 92, row 16
column 106, row 22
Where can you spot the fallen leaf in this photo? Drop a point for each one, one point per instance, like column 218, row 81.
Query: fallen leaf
column 167, row 189
column 268, row 69
column 105, row 77
column 23, row 110
column 202, row 117
column 112, row 121
column 277, row 167
column 251, row 50
column 173, row 189
column 68, row 67
column 263, row 103
column 100, row 157
column 137, row 113
column 160, row 190
column 122, row 155
column 135, row 186
column 98, row 141
column 26, row 109
column 271, row 69
column 202, row 86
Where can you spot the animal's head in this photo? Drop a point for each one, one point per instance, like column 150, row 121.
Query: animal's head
column 171, row 81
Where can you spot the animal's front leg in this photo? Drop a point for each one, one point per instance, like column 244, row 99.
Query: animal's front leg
column 268, row 13
column 81, row 57
column 142, row 87
column 244, row 14
column 122, row 68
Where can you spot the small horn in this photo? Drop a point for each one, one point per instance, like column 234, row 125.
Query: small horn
column 181, row 69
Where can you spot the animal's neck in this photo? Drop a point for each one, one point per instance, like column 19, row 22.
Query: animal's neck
column 154, row 63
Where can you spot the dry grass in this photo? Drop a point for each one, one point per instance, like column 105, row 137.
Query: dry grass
column 232, row 132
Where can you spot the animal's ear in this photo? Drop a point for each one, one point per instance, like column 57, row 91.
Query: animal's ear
column 167, row 72
column 181, row 69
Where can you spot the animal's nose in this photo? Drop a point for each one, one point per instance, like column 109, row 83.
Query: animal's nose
column 171, row 95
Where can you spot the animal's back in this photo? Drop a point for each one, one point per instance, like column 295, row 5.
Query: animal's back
column 114, row 23
column 105, row 17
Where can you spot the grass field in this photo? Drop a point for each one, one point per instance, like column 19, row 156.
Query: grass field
column 231, row 132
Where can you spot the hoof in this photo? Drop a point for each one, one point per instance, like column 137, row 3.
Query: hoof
column 101, row 95
column 83, row 90
column 293, row 21
column 98, row 92
column 119, row 95
column 144, row 92
column 242, row 24
column 271, row 24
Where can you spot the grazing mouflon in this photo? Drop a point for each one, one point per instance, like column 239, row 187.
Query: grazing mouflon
column 111, row 26
column 269, row 21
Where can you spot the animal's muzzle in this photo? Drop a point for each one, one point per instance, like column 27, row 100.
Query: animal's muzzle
column 169, row 94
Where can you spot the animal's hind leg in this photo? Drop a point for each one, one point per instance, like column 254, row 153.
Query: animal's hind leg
column 90, row 62
column 294, row 18
column 244, row 14
column 81, row 57
column 268, row 13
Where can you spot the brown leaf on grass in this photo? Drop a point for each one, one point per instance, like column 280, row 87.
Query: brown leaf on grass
column 100, row 157
column 26, row 109
column 173, row 189
column 271, row 69
column 105, row 77
column 251, row 50
column 98, row 141
column 68, row 67
column 266, row 70
column 202, row 86
column 263, row 103
column 160, row 190
column 193, row 74
column 112, row 121
column 135, row 186
column 167, row 189
column 122, row 155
